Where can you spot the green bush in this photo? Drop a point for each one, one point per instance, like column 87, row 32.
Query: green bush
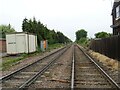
column 83, row 42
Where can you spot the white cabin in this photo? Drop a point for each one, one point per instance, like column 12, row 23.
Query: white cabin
column 21, row 42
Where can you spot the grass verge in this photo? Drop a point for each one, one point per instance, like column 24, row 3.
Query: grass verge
column 10, row 61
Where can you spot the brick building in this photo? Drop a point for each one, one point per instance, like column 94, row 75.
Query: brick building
column 2, row 45
column 116, row 17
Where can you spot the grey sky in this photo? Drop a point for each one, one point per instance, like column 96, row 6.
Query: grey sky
column 66, row 16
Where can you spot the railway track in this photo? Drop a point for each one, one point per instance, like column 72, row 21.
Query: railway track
column 86, row 73
column 74, row 69
column 58, row 75
column 28, row 74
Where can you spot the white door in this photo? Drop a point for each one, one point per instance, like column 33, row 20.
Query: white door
column 20, row 39
column 11, row 44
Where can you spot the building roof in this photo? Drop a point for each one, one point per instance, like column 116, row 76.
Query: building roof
column 116, row 0
column 20, row 33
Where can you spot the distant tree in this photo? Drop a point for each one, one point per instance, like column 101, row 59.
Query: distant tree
column 25, row 25
column 60, row 37
column 5, row 29
column 81, row 34
column 102, row 35
column 82, row 40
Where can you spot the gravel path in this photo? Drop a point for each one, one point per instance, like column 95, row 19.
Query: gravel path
column 58, row 76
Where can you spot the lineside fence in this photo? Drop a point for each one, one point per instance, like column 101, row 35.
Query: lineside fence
column 107, row 46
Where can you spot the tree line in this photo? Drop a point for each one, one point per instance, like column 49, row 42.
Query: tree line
column 81, row 36
column 5, row 29
column 42, row 32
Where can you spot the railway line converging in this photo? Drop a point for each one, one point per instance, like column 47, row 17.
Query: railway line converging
column 69, row 67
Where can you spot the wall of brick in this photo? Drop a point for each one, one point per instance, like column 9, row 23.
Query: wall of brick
column 2, row 45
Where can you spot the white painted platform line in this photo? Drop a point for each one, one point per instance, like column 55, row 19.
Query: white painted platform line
column 73, row 69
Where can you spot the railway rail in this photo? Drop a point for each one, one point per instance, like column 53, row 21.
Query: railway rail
column 86, row 73
column 28, row 74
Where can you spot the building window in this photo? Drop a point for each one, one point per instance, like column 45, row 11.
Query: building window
column 118, row 12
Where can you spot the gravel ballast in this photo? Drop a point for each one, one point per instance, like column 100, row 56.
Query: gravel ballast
column 111, row 66
column 26, row 61
column 58, row 75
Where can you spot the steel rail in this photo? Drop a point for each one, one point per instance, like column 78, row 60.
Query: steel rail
column 73, row 70
column 109, row 78
column 15, row 72
column 32, row 79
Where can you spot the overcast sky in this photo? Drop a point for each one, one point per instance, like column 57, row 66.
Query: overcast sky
column 66, row 16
